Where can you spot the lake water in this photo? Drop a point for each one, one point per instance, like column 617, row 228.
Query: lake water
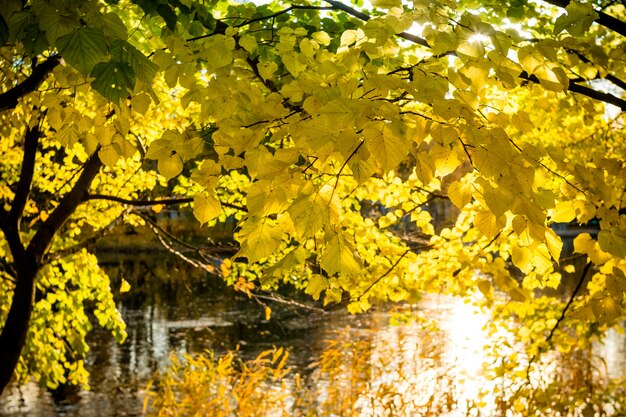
column 175, row 308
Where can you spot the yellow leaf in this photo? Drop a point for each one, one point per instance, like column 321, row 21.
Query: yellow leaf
column 311, row 212
column 583, row 243
column 108, row 155
column 446, row 160
column 606, row 309
column 321, row 38
column 460, row 194
column 340, row 257
column 267, row 69
column 259, row 238
column 208, row 174
column 248, row 43
column 488, row 224
column 386, row 4
column 613, row 241
column 141, row 103
column 554, row 244
column 522, row 258
column 563, row 212
column 169, row 165
column 317, row 284
column 124, row 287
column 206, row 207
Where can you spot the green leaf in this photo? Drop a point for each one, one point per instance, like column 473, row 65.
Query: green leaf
column 83, row 48
column 115, row 80
column 577, row 19
column 55, row 23
column 113, row 26
column 143, row 68
column 168, row 14
column 34, row 40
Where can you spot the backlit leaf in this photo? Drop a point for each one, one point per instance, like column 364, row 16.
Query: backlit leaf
column 339, row 257
column 115, row 80
column 83, row 48
column 206, row 207
column 317, row 284
column 259, row 239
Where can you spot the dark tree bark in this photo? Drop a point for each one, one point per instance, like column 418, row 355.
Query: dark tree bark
column 15, row 328
column 10, row 98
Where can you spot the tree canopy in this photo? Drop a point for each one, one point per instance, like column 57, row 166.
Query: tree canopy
column 295, row 119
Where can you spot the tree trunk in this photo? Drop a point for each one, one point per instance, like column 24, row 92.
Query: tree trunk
column 27, row 262
column 15, row 328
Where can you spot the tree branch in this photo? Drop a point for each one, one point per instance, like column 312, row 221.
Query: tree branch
column 281, row 12
column 605, row 20
column 148, row 203
column 585, row 91
column 365, row 17
column 563, row 313
column 159, row 232
column 9, row 99
column 31, row 143
column 68, row 204
column 377, row 280
column 597, row 95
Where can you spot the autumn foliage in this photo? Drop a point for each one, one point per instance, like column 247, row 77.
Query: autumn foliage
column 327, row 132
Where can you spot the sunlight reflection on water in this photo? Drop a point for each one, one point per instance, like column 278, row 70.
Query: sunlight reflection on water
column 431, row 366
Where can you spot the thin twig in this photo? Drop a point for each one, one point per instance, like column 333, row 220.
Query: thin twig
column 157, row 202
column 377, row 280
column 563, row 313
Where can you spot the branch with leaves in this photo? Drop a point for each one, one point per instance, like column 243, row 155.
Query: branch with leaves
column 10, row 98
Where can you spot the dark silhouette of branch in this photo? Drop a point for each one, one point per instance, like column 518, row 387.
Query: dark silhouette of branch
column 68, row 204
column 597, row 95
column 31, row 143
column 162, row 234
column 570, row 301
column 157, row 202
column 365, row 17
column 605, row 20
column 585, row 91
column 281, row 12
column 579, row 285
column 10, row 221
column 9, row 99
